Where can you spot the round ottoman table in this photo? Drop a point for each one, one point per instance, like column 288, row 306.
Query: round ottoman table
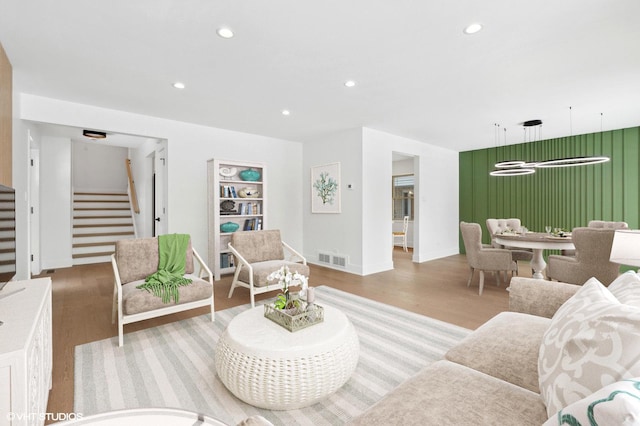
column 267, row 366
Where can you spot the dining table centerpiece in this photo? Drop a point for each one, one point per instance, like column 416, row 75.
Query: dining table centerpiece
column 293, row 311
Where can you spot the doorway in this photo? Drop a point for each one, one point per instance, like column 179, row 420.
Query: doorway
column 404, row 197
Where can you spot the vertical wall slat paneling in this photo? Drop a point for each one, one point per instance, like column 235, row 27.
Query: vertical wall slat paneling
column 631, row 148
column 564, row 197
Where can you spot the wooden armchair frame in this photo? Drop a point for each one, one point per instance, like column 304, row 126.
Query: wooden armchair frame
column 118, row 312
column 291, row 257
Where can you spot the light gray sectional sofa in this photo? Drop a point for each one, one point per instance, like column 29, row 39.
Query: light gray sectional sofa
column 491, row 377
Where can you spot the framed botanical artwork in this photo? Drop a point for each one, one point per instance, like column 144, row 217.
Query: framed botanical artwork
column 325, row 188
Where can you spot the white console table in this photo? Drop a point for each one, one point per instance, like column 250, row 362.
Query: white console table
column 25, row 352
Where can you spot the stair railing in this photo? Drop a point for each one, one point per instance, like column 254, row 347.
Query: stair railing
column 133, row 197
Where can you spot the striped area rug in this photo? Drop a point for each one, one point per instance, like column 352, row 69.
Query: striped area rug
column 173, row 365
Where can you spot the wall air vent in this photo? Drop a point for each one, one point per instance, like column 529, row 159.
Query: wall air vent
column 340, row 261
column 333, row 259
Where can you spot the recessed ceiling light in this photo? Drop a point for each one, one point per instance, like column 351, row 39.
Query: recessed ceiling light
column 225, row 32
column 473, row 28
column 286, row 112
column 349, row 83
column 178, row 85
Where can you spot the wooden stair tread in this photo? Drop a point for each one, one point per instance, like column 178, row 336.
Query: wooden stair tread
column 102, row 234
column 101, row 201
column 119, row 194
column 97, row 244
column 102, row 217
column 103, row 225
column 99, row 208
column 82, row 255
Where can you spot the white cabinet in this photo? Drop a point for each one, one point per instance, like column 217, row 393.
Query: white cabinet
column 25, row 352
column 236, row 201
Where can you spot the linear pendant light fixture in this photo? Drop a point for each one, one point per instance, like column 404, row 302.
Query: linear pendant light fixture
column 519, row 168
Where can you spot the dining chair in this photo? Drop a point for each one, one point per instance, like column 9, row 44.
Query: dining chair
column 593, row 248
column 482, row 258
column 402, row 234
column 599, row 224
column 498, row 226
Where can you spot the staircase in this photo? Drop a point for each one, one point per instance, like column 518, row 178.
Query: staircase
column 99, row 220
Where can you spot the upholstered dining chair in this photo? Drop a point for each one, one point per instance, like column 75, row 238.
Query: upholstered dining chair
column 498, row 226
column 593, row 248
column 484, row 259
column 599, row 224
column 402, row 235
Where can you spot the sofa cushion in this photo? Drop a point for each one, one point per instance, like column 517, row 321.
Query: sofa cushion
column 261, row 271
column 505, row 347
column 626, row 288
column 592, row 342
column 137, row 258
column 615, row 404
column 135, row 300
column 446, row 393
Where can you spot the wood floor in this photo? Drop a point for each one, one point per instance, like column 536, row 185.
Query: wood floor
column 82, row 297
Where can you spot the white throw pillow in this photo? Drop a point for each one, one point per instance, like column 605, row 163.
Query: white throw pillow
column 626, row 288
column 593, row 340
column 616, row 404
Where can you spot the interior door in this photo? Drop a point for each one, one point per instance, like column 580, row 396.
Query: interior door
column 159, row 191
column 34, row 210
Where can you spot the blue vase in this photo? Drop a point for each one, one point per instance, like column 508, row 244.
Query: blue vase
column 229, row 227
column 250, row 175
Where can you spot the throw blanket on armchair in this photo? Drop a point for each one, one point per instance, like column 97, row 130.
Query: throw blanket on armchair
column 164, row 283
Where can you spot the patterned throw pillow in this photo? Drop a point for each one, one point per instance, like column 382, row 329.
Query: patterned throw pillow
column 593, row 341
column 626, row 288
column 615, row 404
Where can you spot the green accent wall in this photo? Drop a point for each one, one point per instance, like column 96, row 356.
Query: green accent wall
column 565, row 197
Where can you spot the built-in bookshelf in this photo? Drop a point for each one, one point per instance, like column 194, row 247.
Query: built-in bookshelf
column 236, row 202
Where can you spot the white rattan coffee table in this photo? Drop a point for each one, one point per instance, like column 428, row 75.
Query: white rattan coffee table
column 267, row 366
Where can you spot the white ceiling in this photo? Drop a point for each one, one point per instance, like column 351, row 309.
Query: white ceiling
column 417, row 74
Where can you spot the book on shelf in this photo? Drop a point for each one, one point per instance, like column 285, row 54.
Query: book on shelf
column 228, row 191
column 227, row 260
column 254, row 224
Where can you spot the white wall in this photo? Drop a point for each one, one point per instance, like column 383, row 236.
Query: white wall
column 20, row 172
column 189, row 147
column 363, row 229
column 335, row 233
column 55, row 203
column 436, row 189
column 98, row 168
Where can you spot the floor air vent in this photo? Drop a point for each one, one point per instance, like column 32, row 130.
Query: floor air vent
column 324, row 258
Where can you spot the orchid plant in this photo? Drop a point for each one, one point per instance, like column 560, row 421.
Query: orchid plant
column 286, row 278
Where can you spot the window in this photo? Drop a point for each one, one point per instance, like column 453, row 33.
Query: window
column 402, row 187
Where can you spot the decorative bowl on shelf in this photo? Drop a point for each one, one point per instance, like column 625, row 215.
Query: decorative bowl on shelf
column 229, row 227
column 251, row 175
column 248, row 193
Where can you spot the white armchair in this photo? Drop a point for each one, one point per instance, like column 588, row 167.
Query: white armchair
column 258, row 254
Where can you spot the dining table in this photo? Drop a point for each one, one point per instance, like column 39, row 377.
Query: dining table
column 536, row 241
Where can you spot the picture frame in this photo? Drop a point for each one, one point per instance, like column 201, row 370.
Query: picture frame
column 325, row 188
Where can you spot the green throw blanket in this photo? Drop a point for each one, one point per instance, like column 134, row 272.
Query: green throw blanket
column 172, row 251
